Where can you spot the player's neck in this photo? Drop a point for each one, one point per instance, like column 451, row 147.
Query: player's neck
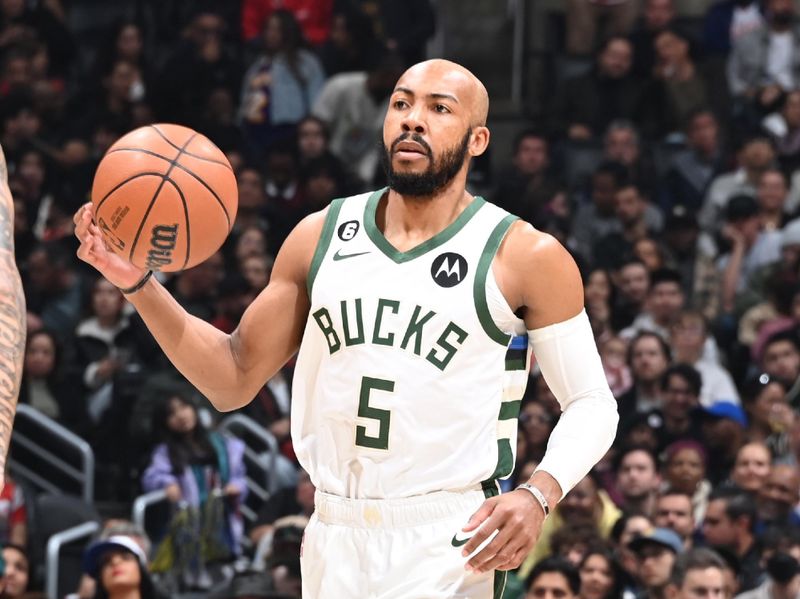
column 415, row 218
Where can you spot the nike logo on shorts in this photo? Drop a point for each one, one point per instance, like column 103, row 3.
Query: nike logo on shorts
column 456, row 542
column 339, row 256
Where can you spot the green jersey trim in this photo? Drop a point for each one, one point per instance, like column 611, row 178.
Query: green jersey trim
column 479, row 290
column 375, row 234
column 500, row 577
column 324, row 241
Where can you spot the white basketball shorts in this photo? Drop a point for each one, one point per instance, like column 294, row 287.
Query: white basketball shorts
column 393, row 549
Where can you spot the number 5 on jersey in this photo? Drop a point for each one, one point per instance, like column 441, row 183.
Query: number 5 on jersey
column 383, row 417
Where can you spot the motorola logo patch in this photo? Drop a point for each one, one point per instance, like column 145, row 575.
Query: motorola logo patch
column 449, row 269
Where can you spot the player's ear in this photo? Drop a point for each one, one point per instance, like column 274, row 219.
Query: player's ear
column 478, row 140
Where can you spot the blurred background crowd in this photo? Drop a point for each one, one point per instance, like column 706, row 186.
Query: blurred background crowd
column 661, row 146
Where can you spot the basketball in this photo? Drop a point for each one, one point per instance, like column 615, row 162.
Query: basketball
column 164, row 197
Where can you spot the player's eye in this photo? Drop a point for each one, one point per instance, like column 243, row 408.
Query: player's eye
column 441, row 108
column 400, row 104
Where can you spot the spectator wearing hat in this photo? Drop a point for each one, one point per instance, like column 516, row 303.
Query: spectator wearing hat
column 730, row 523
column 656, row 551
column 697, row 573
column 119, row 566
column 693, row 255
column 751, row 248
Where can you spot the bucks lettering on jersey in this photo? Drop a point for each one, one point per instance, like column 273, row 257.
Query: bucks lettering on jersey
column 409, row 376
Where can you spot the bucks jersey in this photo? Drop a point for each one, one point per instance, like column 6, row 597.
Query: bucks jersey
column 409, row 376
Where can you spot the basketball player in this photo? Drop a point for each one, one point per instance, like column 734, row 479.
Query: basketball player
column 12, row 319
column 412, row 308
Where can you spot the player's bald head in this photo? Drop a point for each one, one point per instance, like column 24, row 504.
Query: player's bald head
column 450, row 78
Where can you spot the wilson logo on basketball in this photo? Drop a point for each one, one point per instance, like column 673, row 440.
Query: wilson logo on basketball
column 162, row 244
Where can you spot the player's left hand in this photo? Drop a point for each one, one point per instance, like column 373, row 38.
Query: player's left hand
column 517, row 517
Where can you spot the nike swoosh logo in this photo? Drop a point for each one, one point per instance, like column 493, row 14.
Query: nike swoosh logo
column 456, row 542
column 339, row 256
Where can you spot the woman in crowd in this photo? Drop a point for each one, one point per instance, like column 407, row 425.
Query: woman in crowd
column 204, row 472
column 43, row 386
column 685, row 472
column 768, row 412
column 118, row 565
column 281, row 85
column 752, row 465
column 601, row 575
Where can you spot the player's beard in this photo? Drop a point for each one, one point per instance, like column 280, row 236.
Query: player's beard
column 435, row 177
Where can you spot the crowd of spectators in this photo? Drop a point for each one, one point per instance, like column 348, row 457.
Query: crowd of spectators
column 666, row 159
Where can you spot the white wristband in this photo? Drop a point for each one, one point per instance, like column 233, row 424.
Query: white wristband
column 538, row 495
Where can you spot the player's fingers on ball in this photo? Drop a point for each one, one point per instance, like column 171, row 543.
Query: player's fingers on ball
column 78, row 216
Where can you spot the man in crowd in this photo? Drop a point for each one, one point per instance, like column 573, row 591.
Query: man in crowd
column 730, row 523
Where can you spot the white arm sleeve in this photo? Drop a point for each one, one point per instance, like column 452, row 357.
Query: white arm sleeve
column 567, row 356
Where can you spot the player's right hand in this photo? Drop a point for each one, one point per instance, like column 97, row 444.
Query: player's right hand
column 93, row 250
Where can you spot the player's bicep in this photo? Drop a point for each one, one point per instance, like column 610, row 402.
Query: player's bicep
column 272, row 326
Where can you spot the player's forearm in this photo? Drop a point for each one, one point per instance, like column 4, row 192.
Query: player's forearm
column 568, row 358
column 200, row 351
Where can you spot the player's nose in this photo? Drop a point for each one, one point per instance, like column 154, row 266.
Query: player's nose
column 412, row 121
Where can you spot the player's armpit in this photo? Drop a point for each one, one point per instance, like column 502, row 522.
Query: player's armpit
column 272, row 326
column 12, row 318
column 538, row 275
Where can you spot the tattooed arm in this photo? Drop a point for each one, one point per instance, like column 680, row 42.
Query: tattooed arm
column 12, row 319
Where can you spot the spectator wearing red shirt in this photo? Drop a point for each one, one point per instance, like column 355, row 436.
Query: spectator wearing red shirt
column 13, row 515
column 314, row 17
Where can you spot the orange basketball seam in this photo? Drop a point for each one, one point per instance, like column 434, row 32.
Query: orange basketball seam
column 186, row 216
column 164, row 178
column 157, row 155
column 174, row 145
column 175, row 163
column 121, row 183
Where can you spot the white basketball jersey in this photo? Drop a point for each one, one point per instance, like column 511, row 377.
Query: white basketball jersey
column 409, row 376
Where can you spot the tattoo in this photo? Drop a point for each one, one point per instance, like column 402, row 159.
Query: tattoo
column 12, row 319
